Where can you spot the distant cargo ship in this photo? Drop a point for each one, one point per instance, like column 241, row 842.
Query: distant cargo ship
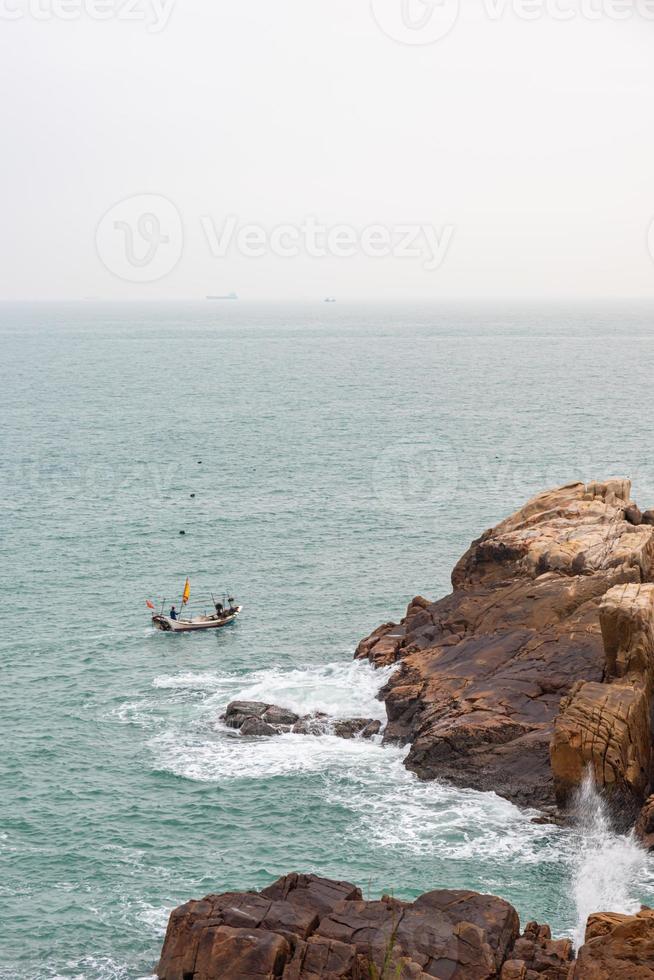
column 228, row 296
column 330, row 299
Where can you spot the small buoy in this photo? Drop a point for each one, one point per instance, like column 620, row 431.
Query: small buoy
column 182, row 532
column 193, row 495
column 199, row 461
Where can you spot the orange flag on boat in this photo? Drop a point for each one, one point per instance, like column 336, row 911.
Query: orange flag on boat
column 149, row 604
column 187, row 593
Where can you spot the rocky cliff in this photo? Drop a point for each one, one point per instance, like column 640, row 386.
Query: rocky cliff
column 541, row 661
column 309, row 928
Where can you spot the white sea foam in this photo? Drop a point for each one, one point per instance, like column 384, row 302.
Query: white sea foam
column 155, row 917
column 190, row 680
column 606, row 866
column 389, row 806
column 341, row 690
column 202, row 751
column 398, row 811
column 222, row 759
column 94, row 968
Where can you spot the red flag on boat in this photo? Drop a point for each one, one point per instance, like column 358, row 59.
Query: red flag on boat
column 149, row 604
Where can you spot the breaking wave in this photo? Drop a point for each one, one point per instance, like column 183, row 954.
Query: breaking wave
column 341, row 690
column 608, row 866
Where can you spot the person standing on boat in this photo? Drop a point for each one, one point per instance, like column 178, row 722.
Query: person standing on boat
column 173, row 613
column 219, row 608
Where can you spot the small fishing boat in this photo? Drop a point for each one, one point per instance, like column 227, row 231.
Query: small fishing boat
column 168, row 625
column 225, row 612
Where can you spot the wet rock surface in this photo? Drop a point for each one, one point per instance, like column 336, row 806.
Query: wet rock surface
column 256, row 718
column 525, row 674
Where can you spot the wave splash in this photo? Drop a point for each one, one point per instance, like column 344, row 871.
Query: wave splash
column 607, row 866
column 341, row 690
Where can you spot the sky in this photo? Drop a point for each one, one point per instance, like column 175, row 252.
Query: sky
column 298, row 149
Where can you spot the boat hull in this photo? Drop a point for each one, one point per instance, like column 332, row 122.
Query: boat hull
column 168, row 625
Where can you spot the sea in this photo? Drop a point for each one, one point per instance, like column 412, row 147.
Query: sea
column 326, row 463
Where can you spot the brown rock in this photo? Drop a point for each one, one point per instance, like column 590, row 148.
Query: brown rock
column 308, row 928
column 240, row 954
column 322, row 958
column 633, row 514
column 514, row 970
column 256, row 718
column 607, row 726
column 601, row 923
column 622, row 950
column 484, row 670
column 251, row 709
column 317, row 724
column 258, row 727
column 279, row 716
column 357, row 728
column 536, row 954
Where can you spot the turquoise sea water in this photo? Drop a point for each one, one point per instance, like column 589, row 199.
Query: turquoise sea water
column 348, row 456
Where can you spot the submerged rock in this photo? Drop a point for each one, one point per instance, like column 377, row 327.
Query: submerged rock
column 259, row 718
column 238, row 712
column 280, row 716
column 316, row 724
column 257, row 726
column 357, row 728
column 524, row 675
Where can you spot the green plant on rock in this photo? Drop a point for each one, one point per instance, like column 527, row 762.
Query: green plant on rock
column 389, row 971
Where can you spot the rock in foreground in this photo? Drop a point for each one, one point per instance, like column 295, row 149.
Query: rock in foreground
column 541, row 661
column 309, row 928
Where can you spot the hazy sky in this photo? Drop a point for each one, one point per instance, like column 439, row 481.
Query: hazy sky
column 511, row 157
